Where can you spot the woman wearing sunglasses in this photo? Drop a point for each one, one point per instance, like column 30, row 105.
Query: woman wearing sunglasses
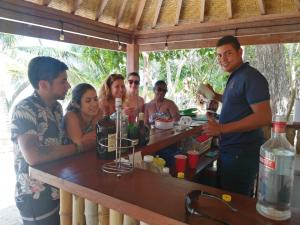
column 160, row 107
column 133, row 103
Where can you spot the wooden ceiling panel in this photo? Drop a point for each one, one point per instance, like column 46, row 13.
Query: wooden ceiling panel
column 167, row 13
column 148, row 22
column 216, row 10
column 127, row 21
column 190, row 11
column 111, row 12
column 245, row 9
column 62, row 5
column 87, row 9
column 148, row 14
column 279, row 6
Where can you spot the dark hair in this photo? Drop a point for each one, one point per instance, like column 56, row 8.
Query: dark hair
column 105, row 90
column 160, row 82
column 77, row 94
column 133, row 74
column 44, row 68
column 229, row 40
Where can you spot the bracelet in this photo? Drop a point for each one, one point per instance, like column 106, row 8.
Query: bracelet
column 79, row 148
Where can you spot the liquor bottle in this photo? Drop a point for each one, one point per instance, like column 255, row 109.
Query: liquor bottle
column 133, row 132
column 276, row 174
column 106, row 135
column 144, row 132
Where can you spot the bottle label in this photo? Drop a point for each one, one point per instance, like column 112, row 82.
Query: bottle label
column 111, row 142
column 267, row 162
column 279, row 127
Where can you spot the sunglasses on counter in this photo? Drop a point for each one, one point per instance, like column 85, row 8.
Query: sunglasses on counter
column 162, row 90
column 136, row 82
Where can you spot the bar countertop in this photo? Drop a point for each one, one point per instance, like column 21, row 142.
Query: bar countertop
column 146, row 196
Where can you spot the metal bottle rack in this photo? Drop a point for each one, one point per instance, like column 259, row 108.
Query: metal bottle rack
column 119, row 165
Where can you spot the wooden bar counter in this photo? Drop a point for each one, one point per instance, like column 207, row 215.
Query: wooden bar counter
column 146, row 196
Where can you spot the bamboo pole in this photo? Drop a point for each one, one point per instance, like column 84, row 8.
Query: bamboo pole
column 65, row 208
column 78, row 211
column 115, row 217
column 103, row 215
column 90, row 212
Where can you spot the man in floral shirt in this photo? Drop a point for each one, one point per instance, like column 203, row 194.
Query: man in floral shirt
column 37, row 137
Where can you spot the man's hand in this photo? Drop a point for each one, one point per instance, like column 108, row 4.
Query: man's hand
column 212, row 128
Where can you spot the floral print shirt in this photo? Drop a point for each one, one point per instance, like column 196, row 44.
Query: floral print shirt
column 33, row 116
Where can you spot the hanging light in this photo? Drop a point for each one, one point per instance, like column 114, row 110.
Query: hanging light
column 166, row 44
column 119, row 43
column 62, row 34
column 119, row 46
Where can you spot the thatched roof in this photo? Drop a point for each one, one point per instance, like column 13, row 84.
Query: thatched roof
column 151, row 22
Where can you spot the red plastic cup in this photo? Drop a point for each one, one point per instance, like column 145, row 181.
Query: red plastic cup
column 193, row 158
column 180, row 163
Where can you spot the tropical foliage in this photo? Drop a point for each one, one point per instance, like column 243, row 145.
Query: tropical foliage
column 183, row 70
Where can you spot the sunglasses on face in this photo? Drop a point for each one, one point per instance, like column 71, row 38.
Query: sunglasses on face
column 136, row 82
column 161, row 90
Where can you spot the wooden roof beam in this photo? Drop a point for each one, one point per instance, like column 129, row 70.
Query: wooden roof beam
column 178, row 9
column 75, row 6
column 46, row 2
column 157, row 11
column 23, row 12
column 100, row 9
column 121, row 12
column 297, row 3
column 229, row 8
column 139, row 13
column 261, row 5
column 202, row 10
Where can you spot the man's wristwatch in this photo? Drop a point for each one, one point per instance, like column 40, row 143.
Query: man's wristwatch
column 78, row 147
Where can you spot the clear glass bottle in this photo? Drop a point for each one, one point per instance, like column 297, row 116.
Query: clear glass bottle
column 276, row 174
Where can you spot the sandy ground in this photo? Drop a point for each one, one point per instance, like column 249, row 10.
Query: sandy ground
column 9, row 214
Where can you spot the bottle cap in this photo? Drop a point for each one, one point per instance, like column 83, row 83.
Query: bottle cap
column 226, row 198
column 166, row 170
column 180, row 175
column 148, row 158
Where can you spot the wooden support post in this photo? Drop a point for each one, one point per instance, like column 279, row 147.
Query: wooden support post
column 76, row 4
column 157, row 10
column 202, row 10
column 132, row 58
column 46, row 2
column 121, row 12
column 178, row 9
column 262, row 8
column 229, row 8
column 100, row 9
column 139, row 13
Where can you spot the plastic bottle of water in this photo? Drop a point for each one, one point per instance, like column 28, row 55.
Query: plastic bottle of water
column 276, row 174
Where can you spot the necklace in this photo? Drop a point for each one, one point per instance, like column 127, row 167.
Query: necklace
column 157, row 107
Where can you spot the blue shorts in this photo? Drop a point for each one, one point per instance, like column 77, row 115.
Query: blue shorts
column 237, row 170
column 38, row 211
